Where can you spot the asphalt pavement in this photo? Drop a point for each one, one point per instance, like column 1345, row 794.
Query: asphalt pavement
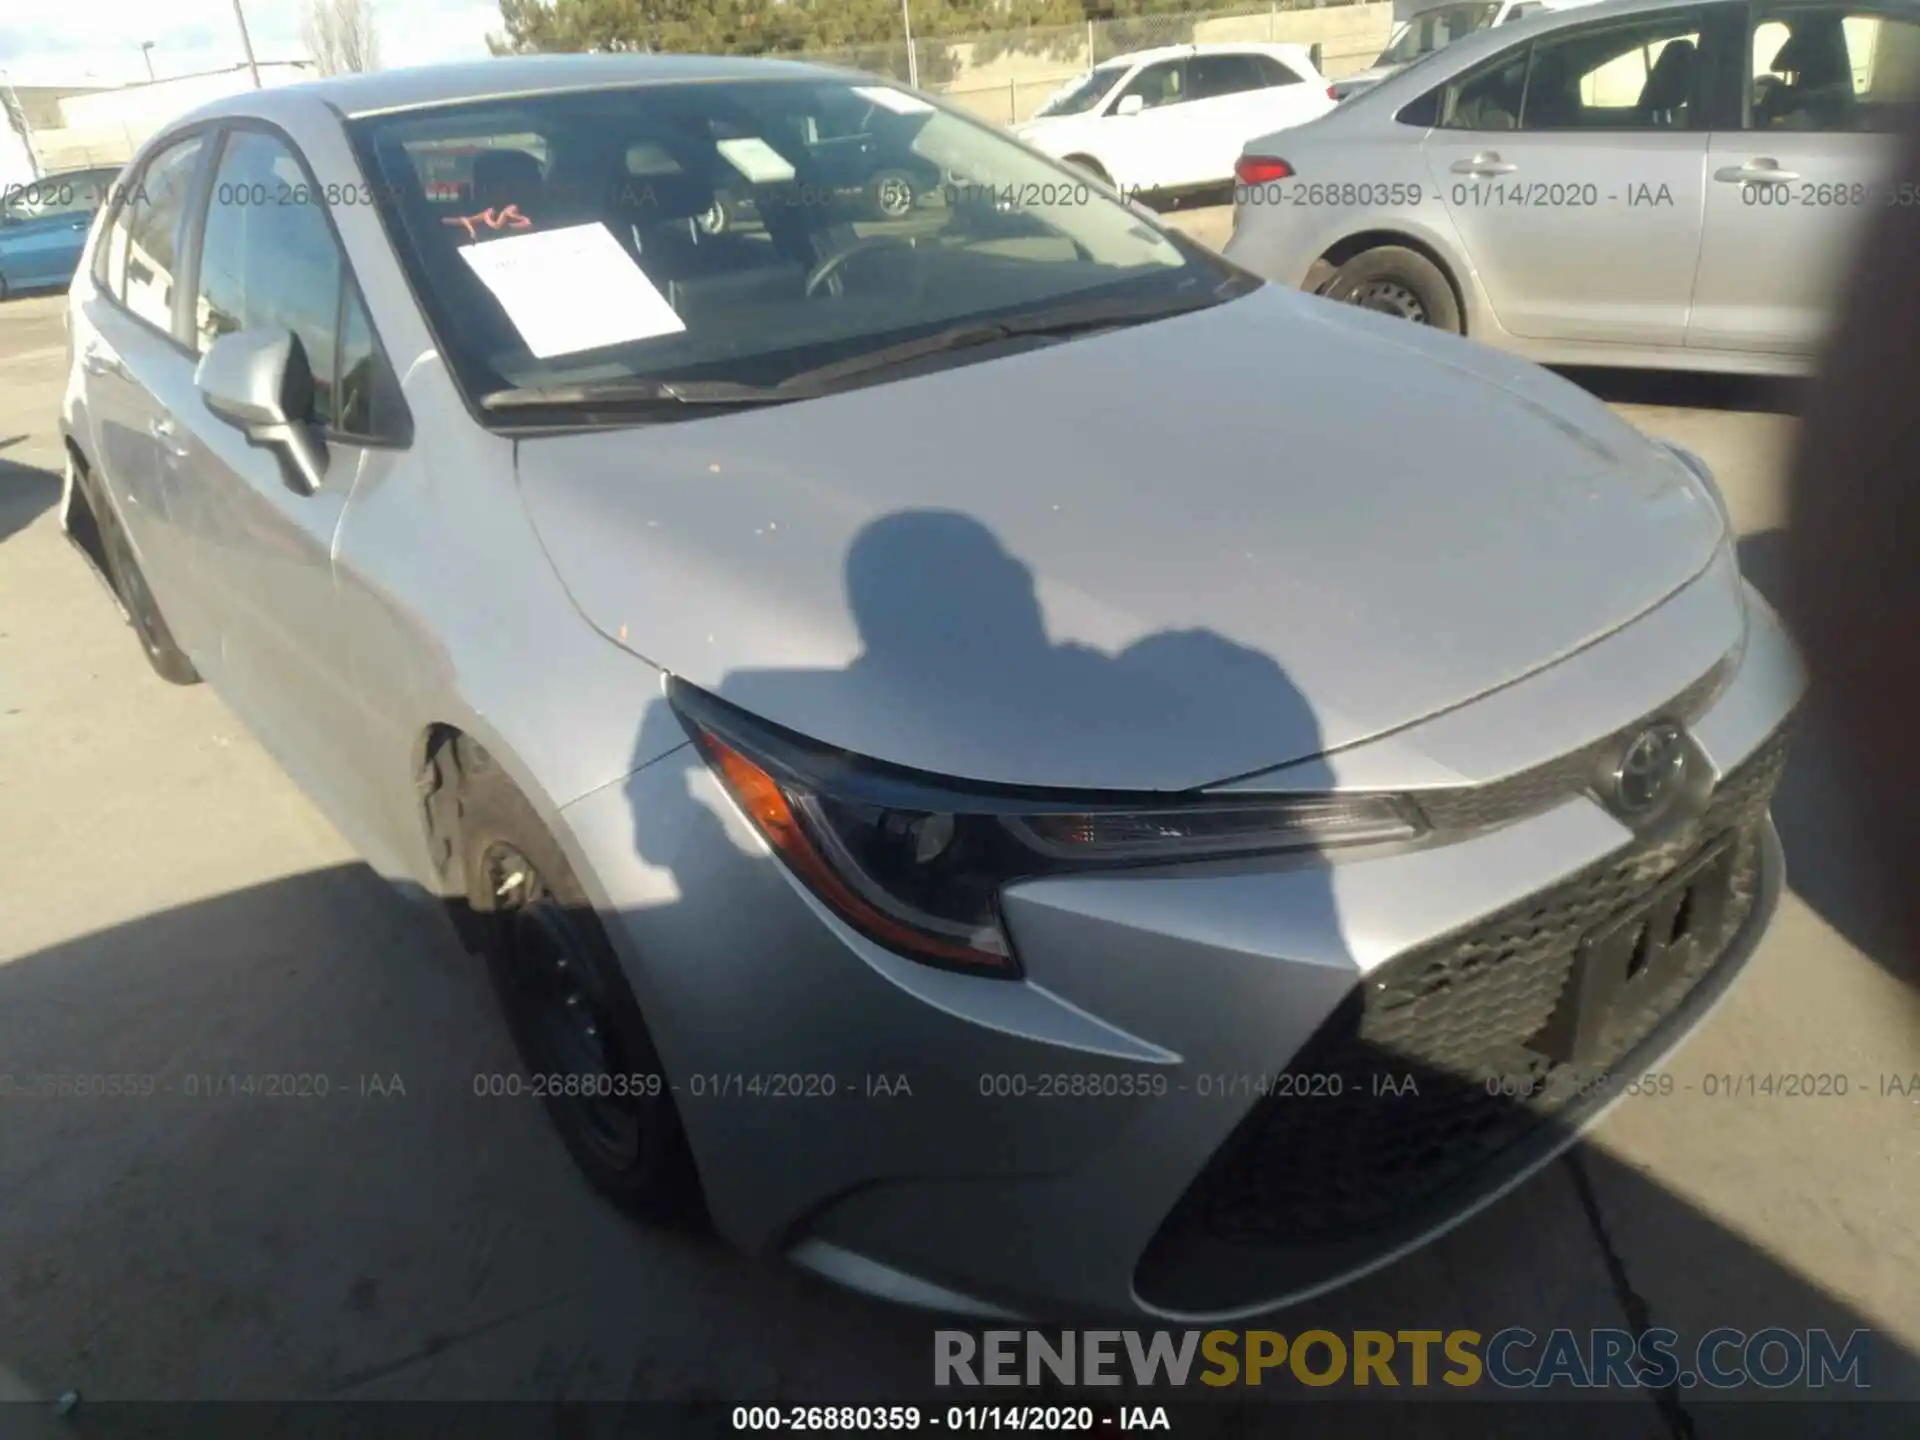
column 173, row 907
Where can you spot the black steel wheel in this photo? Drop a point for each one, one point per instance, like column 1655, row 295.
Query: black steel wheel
column 1394, row 280
column 567, row 1002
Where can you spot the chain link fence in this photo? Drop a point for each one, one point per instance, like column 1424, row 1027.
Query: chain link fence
column 1006, row 76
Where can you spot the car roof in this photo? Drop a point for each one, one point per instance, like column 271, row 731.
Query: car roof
column 1469, row 50
column 507, row 77
column 1211, row 47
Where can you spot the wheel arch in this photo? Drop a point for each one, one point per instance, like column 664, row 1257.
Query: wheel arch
column 1345, row 249
column 1086, row 160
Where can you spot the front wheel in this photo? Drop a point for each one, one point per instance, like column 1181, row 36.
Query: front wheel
column 1394, row 280
column 568, row 1005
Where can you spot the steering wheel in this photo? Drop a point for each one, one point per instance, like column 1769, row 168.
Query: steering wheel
column 827, row 272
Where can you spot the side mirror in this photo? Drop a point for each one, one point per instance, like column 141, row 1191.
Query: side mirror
column 259, row 382
column 1130, row 105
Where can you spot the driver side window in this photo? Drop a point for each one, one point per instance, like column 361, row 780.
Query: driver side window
column 1162, row 84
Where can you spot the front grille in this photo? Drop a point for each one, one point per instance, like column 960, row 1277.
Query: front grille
column 1456, row 1018
column 1480, row 807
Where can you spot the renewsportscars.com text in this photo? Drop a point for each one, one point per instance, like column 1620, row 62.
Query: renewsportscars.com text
column 1514, row 1358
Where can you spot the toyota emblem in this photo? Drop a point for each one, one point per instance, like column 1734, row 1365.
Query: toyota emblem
column 1650, row 771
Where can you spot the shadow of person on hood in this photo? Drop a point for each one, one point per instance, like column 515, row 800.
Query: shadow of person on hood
column 957, row 671
column 956, row 660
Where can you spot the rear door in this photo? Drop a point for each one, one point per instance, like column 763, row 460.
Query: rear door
column 138, row 370
column 1572, row 167
column 1287, row 96
column 1791, row 185
column 265, row 552
column 1229, row 103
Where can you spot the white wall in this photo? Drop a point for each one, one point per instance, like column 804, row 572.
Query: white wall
column 16, row 167
column 109, row 125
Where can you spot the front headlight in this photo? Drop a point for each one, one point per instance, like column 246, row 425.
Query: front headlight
column 918, row 863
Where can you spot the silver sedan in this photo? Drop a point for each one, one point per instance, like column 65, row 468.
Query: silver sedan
column 1639, row 182
column 970, row 754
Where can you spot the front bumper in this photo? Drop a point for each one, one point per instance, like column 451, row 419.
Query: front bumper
column 1135, row 1128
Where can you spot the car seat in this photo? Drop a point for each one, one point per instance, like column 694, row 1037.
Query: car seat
column 1664, row 98
column 1818, row 93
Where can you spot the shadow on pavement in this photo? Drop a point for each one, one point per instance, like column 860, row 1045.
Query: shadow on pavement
column 1690, row 390
column 291, row 1173
column 1818, row 826
column 26, row 491
column 403, row 1238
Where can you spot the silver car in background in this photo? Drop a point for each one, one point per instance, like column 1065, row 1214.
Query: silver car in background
column 1637, row 183
column 961, row 741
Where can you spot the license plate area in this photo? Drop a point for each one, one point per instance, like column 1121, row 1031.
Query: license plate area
column 1629, row 959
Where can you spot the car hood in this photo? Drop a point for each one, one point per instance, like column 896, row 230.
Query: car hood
column 1149, row 559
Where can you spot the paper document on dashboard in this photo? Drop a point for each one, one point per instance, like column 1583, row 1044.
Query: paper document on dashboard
column 572, row 289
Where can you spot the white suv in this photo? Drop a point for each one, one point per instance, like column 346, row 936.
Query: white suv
column 1177, row 118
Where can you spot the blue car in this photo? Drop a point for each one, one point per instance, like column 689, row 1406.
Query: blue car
column 43, row 227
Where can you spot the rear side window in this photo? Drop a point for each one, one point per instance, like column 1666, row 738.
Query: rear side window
column 141, row 277
column 1272, row 72
column 270, row 262
column 1490, row 98
column 1211, row 76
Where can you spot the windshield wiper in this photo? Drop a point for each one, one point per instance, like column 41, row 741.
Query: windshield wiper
column 632, row 390
column 1058, row 322
column 1053, row 323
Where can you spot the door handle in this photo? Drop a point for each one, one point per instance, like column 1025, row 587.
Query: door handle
column 1758, row 171
column 1488, row 162
column 94, row 363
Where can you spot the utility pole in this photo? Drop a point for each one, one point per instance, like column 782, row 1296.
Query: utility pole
column 146, row 54
column 17, row 116
column 906, row 23
column 246, row 42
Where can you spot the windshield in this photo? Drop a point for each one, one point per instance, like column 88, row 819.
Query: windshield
column 1435, row 30
column 738, row 231
column 1081, row 95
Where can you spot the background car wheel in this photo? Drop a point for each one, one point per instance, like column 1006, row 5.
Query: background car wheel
column 1319, row 275
column 567, row 1002
column 168, row 660
column 1396, row 281
column 891, row 194
column 1091, row 166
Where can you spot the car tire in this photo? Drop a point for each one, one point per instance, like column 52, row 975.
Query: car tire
column 129, row 584
column 1319, row 275
column 1397, row 281
column 565, row 997
column 1092, row 166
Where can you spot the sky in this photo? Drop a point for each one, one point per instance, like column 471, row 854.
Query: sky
column 78, row 42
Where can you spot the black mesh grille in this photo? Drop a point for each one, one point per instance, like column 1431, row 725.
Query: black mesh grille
column 1327, row 1170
